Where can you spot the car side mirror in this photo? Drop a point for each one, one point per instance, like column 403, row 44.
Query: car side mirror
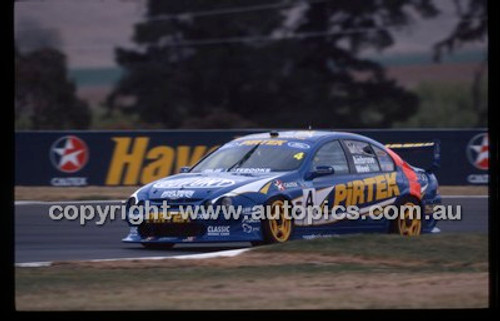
column 185, row 169
column 321, row 171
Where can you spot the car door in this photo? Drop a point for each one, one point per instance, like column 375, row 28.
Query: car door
column 319, row 190
column 375, row 179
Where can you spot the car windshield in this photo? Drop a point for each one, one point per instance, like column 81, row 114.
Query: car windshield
column 255, row 156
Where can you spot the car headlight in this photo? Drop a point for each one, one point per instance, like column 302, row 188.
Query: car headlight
column 226, row 201
column 130, row 202
column 207, row 204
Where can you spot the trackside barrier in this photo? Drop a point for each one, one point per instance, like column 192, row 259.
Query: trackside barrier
column 120, row 158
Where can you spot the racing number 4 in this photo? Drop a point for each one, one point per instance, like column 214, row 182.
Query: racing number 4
column 309, row 197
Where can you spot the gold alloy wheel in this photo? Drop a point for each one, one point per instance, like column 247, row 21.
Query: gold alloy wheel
column 280, row 227
column 410, row 226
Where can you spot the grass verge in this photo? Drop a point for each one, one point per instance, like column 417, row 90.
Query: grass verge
column 348, row 272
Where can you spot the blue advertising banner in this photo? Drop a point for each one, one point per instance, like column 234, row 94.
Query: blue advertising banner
column 121, row 158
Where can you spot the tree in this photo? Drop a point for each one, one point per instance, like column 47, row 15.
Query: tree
column 30, row 36
column 205, row 65
column 471, row 27
column 444, row 105
column 44, row 97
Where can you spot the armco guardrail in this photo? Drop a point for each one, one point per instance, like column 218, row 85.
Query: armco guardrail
column 117, row 158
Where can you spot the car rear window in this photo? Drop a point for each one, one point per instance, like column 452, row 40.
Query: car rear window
column 363, row 157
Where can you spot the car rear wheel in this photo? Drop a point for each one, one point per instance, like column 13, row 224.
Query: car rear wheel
column 279, row 228
column 407, row 224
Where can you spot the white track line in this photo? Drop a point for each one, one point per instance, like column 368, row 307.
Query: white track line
column 33, row 264
column 226, row 253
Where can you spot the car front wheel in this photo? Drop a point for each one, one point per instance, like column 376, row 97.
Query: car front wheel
column 277, row 228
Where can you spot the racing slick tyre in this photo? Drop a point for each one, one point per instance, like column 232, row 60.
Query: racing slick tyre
column 279, row 228
column 406, row 224
column 158, row 246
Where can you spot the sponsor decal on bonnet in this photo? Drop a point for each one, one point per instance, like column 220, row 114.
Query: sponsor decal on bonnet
column 175, row 194
column 195, row 182
column 252, row 170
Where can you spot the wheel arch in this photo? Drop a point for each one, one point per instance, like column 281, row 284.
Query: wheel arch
column 401, row 201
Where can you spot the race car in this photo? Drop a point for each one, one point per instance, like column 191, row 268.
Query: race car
column 283, row 171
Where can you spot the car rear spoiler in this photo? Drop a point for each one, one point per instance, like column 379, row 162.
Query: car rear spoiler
column 414, row 152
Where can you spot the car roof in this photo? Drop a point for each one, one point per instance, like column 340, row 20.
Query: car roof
column 310, row 136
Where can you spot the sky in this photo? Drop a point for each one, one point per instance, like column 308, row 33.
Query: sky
column 89, row 31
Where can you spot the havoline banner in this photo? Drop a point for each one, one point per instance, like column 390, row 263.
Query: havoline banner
column 124, row 158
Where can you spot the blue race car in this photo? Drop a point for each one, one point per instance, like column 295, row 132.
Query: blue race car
column 286, row 170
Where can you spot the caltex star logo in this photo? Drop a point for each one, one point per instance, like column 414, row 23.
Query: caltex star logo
column 69, row 154
column 478, row 151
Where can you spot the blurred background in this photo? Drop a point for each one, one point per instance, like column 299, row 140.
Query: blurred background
column 137, row 64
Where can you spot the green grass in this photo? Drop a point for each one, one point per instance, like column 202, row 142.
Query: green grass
column 432, row 253
column 63, row 280
column 432, row 248
column 351, row 271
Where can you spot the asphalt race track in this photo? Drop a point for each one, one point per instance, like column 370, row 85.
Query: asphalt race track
column 40, row 239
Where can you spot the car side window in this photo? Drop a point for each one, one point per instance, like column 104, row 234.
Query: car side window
column 332, row 154
column 386, row 162
column 363, row 157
